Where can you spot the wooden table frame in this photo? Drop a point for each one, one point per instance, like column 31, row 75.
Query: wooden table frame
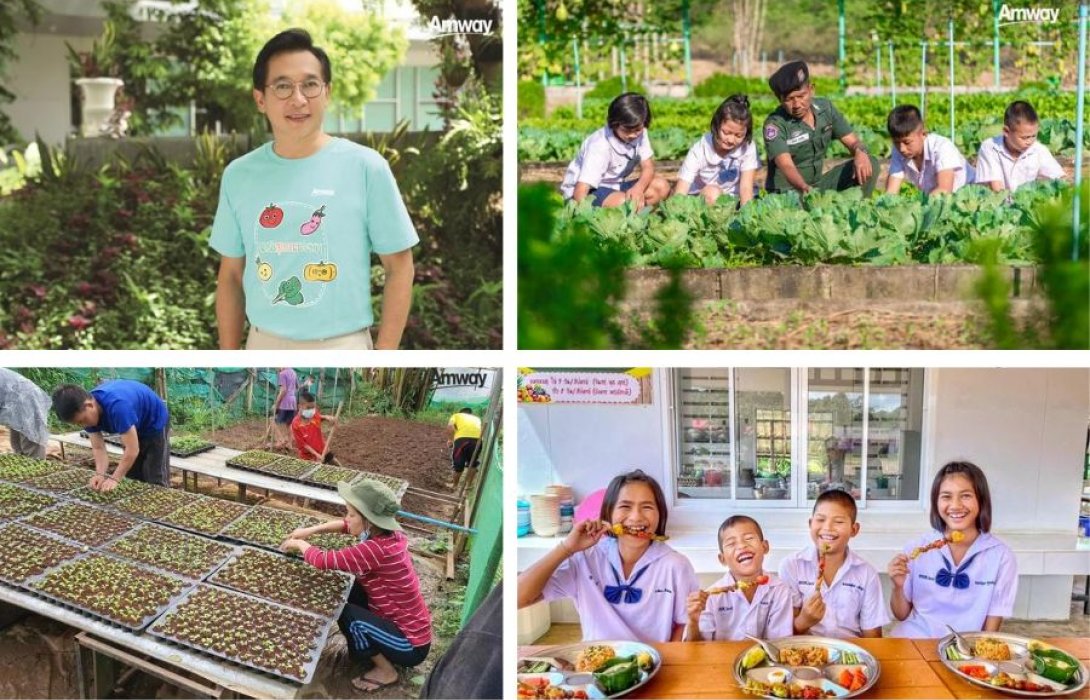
column 910, row 668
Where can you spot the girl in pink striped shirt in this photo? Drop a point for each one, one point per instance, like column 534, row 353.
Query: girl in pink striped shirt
column 386, row 619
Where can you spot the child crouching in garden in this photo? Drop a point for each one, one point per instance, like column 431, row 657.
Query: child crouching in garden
column 610, row 155
column 386, row 619
column 724, row 160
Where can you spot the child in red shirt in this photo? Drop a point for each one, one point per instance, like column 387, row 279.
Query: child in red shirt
column 306, row 430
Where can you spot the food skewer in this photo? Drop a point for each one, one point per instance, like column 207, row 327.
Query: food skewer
column 618, row 529
column 955, row 536
column 740, row 586
column 821, row 567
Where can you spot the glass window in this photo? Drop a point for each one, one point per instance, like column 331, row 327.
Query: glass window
column 895, row 428
column 703, row 408
column 834, row 436
column 762, row 400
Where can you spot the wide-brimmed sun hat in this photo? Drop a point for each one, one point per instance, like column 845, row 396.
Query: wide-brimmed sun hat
column 374, row 500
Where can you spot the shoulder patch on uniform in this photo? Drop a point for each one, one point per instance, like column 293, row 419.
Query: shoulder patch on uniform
column 771, row 132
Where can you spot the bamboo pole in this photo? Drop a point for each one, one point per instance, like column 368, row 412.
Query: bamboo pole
column 329, row 440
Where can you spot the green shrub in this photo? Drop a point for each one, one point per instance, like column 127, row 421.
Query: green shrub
column 722, row 86
column 531, row 99
column 611, row 87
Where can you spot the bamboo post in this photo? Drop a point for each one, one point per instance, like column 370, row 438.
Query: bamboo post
column 329, row 441
column 950, row 44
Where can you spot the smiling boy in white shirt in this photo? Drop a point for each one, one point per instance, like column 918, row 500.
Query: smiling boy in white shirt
column 1015, row 158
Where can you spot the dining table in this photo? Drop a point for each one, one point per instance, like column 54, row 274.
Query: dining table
column 909, row 668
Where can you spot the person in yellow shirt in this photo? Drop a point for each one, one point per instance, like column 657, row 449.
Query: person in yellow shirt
column 463, row 436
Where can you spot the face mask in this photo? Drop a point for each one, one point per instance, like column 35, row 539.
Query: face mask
column 308, row 413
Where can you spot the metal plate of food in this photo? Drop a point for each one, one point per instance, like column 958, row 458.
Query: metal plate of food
column 587, row 670
column 1014, row 665
column 809, row 667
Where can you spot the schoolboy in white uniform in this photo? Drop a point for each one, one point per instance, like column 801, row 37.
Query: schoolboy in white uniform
column 930, row 162
column 848, row 602
column 1011, row 160
column 724, row 160
column 762, row 610
column 932, row 591
column 610, row 155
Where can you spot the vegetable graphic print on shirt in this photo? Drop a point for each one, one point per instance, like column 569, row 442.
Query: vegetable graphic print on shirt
column 292, row 250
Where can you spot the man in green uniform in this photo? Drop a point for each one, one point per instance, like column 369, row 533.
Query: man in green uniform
column 798, row 133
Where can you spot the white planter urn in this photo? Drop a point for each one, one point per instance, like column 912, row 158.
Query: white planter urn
column 98, row 103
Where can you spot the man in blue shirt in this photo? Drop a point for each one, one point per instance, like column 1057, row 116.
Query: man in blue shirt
column 134, row 412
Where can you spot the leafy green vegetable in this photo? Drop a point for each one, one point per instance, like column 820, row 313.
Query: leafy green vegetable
column 290, row 292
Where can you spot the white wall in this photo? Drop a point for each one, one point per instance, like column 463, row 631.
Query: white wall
column 39, row 79
column 586, row 446
column 1027, row 429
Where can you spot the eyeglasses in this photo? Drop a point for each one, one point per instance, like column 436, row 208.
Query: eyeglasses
column 284, row 89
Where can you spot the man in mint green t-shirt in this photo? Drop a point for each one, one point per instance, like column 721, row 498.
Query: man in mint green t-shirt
column 299, row 217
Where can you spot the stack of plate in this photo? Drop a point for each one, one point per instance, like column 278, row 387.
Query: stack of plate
column 566, row 502
column 545, row 514
column 523, row 518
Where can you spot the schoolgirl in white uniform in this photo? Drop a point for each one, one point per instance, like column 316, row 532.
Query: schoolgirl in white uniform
column 627, row 586
column 762, row 610
column 969, row 584
column 724, row 160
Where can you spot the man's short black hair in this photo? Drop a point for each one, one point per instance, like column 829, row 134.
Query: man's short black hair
column 629, row 110
column 68, row 400
column 288, row 41
column 1017, row 112
column 306, row 397
column 467, row 409
column 903, row 121
column 788, row 78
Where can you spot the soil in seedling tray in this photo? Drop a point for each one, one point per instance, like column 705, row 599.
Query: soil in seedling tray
column 329, row 475
column 398, row 486
column 82, row 523
column 157, row 503
column 19, row 468
column 266, row 527
column 208, row 516
column 188, row 445
column 124, row 593
column 127, row 488
column 288, row 468
column 60, row 482
column 187, row 555
column 254, row 459
column 16, row 502
column 287, row 581
column 25, row 553
column 252, row 632
column 333, row 540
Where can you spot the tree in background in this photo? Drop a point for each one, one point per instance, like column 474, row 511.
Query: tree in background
column 749, row 23
column 10, row 12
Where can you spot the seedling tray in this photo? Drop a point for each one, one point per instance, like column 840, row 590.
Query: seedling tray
column 81, row 523
column 117, row 581
column 333, row 540
column 398, row 486
column 266, row 527
column 212, row 606
column 207, row 516
column 18, row 502
column 285, row 581
column 253, row 460
column 179, row 553
column 126, row 488
column 184, row 446
column 155, row 504
column 291, row 468
column 26, row 552
column 18, row 468
column 329, row 475
column 62, row 481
